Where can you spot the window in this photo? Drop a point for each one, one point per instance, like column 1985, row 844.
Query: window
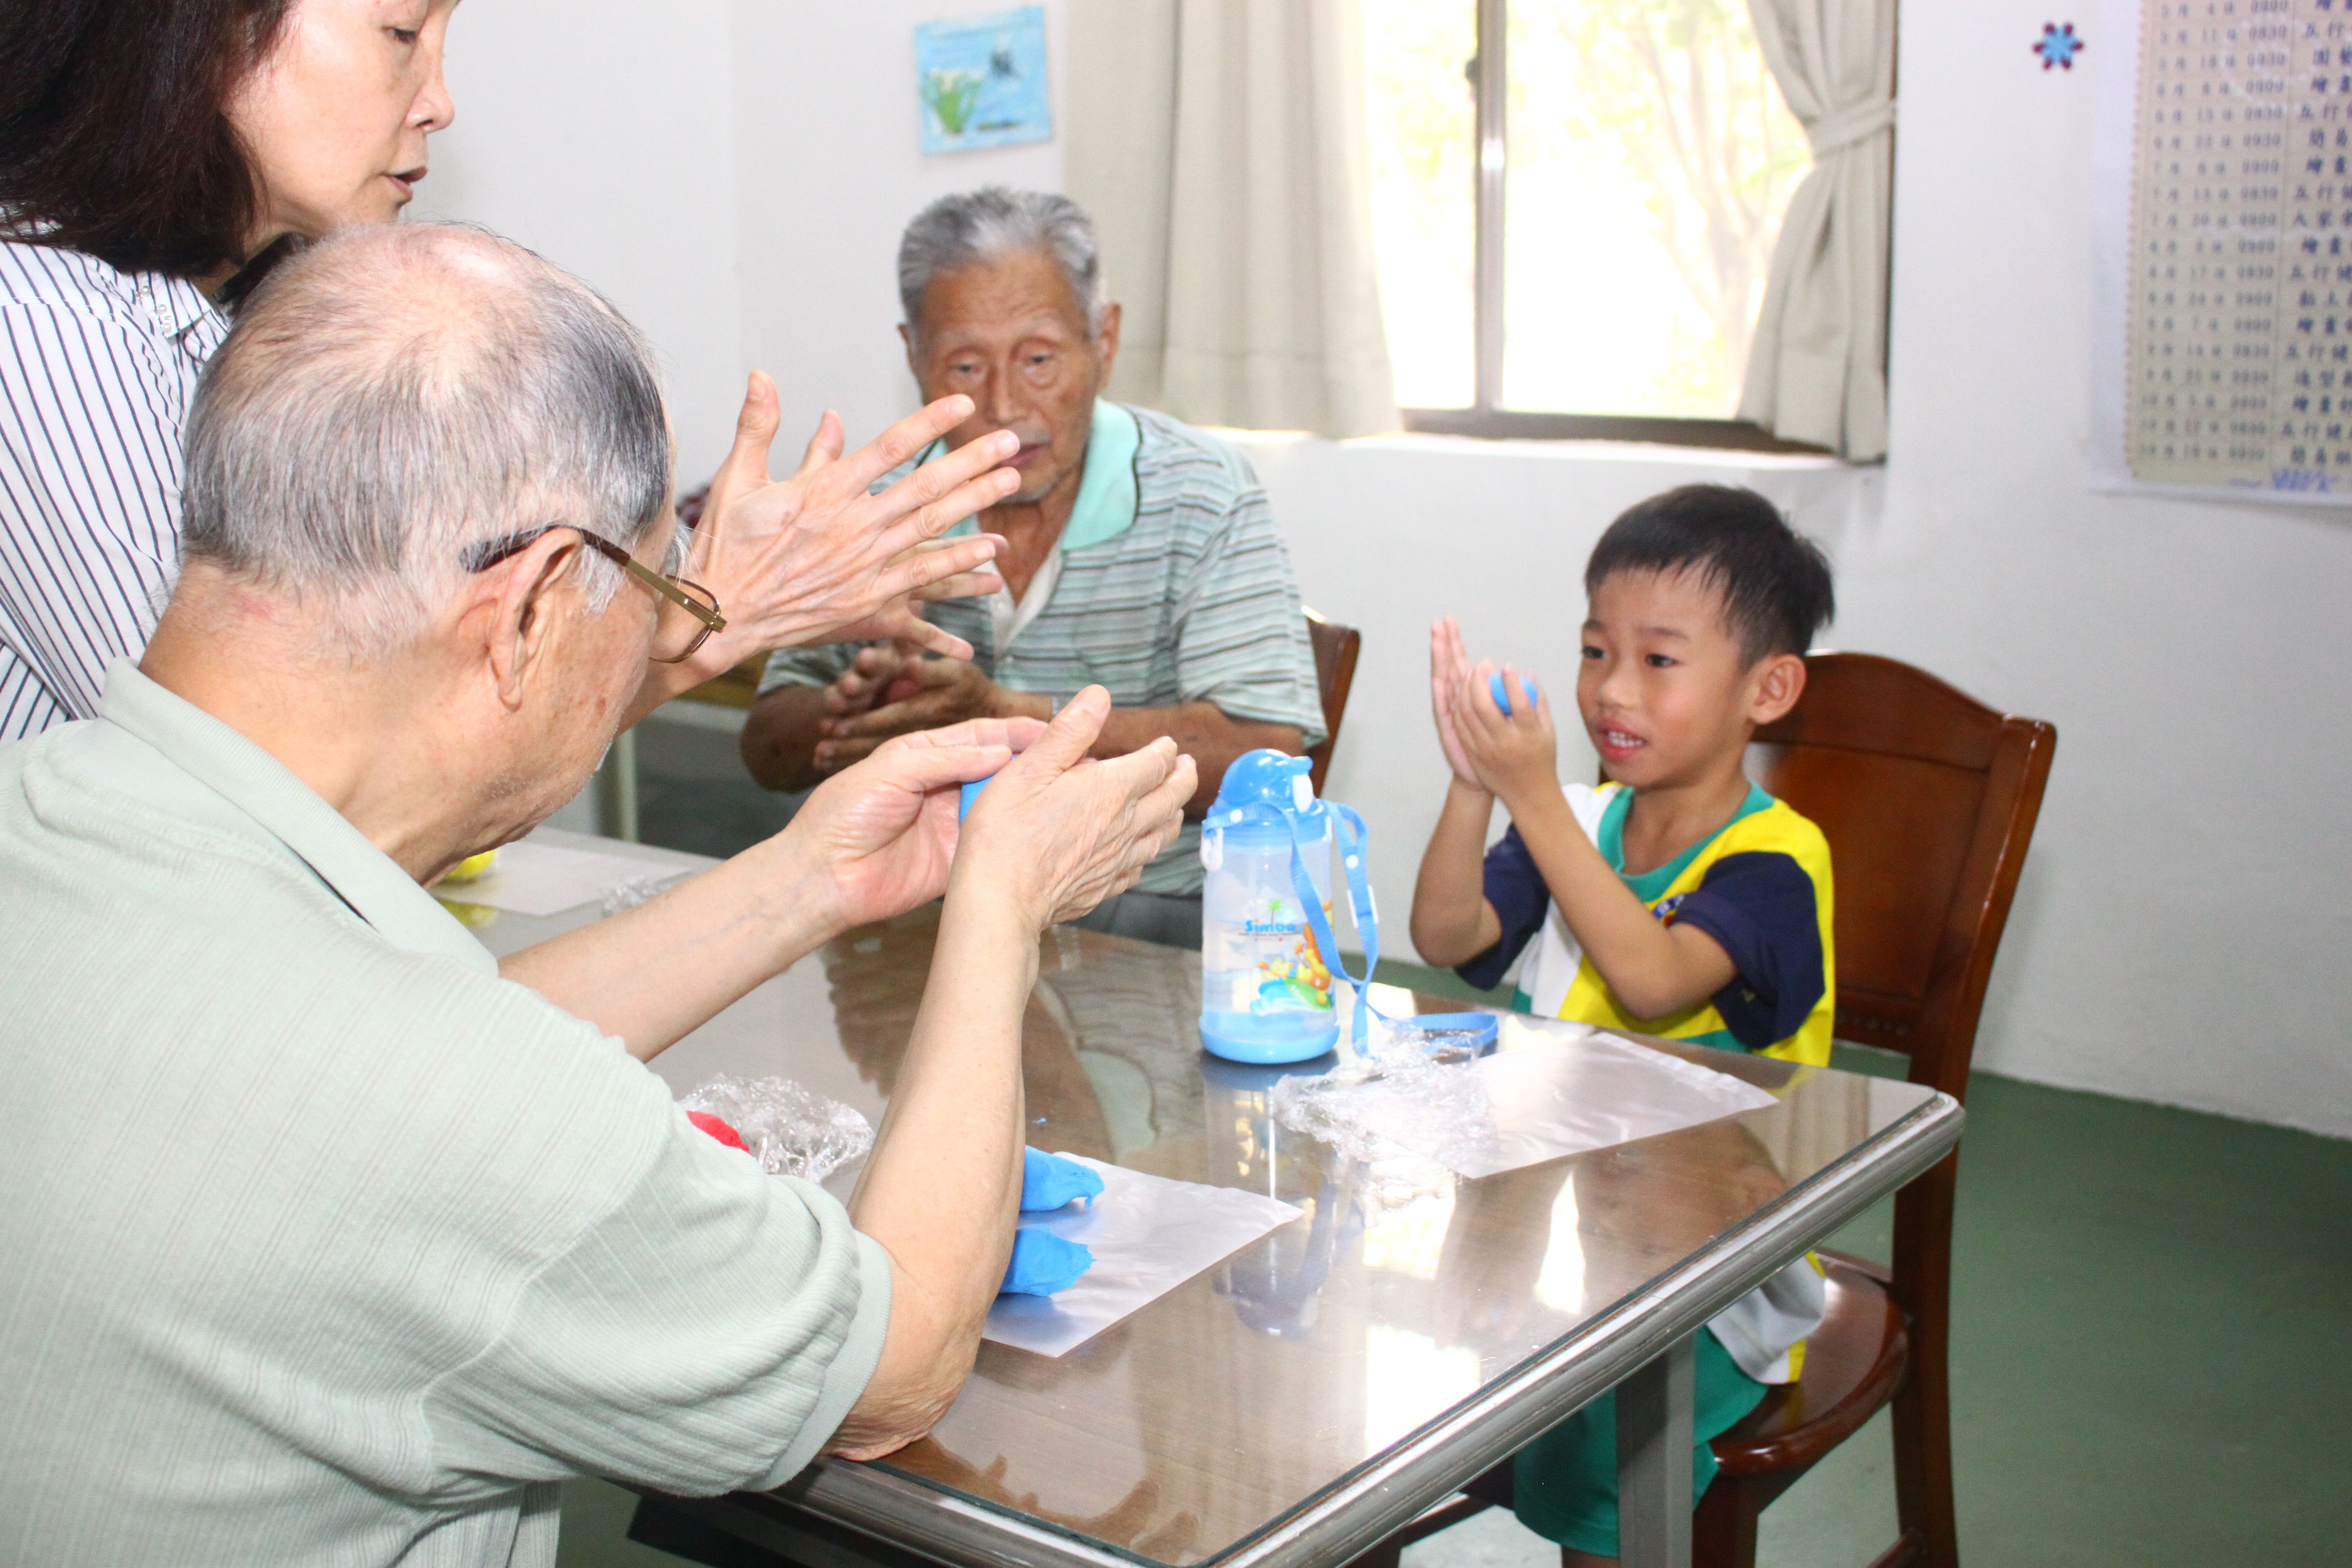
column 1599, row 271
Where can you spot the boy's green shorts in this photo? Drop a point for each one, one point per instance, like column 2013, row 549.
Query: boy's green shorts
column 1566, row 1480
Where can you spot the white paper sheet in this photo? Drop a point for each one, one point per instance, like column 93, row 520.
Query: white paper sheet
column 1148, row 1234
column 533, row 879
column 1518, row 1107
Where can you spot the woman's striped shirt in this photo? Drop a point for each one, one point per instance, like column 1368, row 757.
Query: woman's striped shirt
column 97, row 368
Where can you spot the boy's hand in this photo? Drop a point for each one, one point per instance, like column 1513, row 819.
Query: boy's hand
column 1513, row 755
column 1449, row 670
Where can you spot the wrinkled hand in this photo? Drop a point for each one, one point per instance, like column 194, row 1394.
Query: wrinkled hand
column 815, row 558
column 1061, row 833
column 1449, row 668
column 915, row 694
column 884, row 831
column 1509, row 755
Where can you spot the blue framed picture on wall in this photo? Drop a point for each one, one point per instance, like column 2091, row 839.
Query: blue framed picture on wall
column 982, row 81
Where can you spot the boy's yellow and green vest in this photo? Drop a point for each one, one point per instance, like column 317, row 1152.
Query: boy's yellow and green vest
column 1559, row 982
column 1765, row 1329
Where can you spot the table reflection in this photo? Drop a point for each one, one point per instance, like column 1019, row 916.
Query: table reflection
column 1251, row 1388
column 1274, row 1286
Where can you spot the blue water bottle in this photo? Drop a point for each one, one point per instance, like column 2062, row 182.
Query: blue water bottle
column 1266, row 986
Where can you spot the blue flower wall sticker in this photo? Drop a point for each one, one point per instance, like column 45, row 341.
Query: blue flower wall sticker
column 2058, row 46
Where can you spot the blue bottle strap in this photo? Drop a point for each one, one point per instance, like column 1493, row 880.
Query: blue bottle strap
column 1353, row 836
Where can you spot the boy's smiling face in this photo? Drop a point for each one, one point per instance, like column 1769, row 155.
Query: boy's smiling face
column 1665, row 690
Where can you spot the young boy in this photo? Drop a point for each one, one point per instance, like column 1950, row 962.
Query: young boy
column 1678, row 898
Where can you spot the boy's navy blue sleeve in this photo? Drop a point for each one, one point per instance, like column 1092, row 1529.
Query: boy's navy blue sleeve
column 1759, row 906
column 1516, row 891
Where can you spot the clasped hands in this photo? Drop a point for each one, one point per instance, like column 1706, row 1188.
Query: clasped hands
column 1505, row 755
column 896, row 688
column 1056, row 832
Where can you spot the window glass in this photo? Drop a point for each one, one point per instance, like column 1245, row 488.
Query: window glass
column 1423, row 117
column 1651, row 161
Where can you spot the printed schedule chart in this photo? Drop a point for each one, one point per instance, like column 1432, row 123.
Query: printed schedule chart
column 2239, row 348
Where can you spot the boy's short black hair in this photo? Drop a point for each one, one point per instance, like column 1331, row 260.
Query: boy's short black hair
column 1775, row 581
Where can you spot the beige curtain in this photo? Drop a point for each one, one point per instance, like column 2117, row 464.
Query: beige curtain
column 1817, row 367
column 1220, row 146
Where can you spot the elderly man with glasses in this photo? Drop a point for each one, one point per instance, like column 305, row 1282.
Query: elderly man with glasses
column 329, row 1239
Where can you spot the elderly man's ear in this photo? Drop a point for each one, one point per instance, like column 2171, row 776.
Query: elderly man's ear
column 1107, row 340
column 519, row 614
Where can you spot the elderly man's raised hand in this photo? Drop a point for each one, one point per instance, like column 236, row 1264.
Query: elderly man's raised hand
column 1058, row 832
column 816, row 558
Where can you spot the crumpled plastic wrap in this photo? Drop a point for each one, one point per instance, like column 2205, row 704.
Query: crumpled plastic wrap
column 791, row 1132
column 1518, row 1107
column 631, row 891
column 1393, row 1106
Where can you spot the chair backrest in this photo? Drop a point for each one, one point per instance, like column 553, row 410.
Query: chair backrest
column 736, row 688
column 1928, row 800
column 1336, row 647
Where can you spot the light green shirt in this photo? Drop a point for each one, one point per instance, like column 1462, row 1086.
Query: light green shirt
column 322, row 1244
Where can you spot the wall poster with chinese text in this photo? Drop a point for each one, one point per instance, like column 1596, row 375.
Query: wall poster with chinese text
column 2225, row 186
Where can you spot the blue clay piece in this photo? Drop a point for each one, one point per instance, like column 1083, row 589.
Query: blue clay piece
column 1049, row 1182
column 970, row 794
column 1503, row 697
column 1044, row 1264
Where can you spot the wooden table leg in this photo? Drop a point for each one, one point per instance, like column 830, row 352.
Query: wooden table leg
column 1654, row 1460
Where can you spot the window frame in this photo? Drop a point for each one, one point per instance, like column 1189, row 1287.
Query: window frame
column 1487, row 419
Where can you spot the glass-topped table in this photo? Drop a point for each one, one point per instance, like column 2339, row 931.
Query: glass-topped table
column 1324, row 1385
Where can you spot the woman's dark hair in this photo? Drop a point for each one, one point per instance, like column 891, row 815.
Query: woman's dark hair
column 114, row 131
column 1775, row 582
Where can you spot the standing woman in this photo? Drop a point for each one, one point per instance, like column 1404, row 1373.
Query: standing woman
column 156, row 156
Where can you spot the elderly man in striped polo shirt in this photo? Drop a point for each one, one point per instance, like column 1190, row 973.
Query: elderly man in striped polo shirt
column 1139, row 554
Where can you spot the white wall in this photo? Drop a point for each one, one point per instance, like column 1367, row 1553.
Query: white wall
column 831, row 165
column 733, row 174
column 2176, row 929
column 604, row 139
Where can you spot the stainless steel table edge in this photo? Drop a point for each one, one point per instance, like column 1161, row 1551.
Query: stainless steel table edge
column 1366, row 1505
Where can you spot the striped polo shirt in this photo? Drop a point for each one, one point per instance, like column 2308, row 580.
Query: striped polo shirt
column 1172, row 586
column 97, row 368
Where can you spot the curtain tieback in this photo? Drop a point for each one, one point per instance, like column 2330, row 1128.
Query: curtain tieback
column 1845, row 127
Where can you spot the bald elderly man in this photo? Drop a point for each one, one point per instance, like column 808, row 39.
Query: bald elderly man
column 330, row 1239
column 1138, row 552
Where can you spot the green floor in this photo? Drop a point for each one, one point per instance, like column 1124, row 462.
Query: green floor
column 2152, row 1354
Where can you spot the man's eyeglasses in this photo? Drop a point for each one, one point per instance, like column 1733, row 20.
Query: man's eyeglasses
column 689, row 612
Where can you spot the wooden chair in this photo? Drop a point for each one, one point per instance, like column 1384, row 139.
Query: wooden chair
column 1336, row 650
column 737, row 688
column 1928, row 800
